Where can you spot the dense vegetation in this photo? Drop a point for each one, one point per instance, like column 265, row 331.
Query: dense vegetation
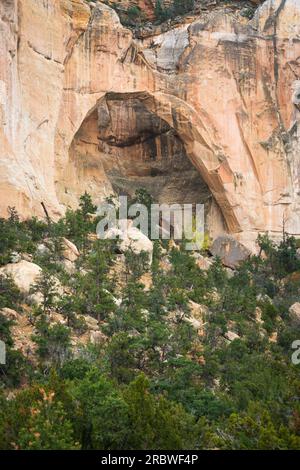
column 154, row 382
column 134, row 15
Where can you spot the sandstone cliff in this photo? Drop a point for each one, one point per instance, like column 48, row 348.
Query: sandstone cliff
column 85, row 106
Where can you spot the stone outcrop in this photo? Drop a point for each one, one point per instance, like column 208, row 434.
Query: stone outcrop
column 130, row 238
column 69, row 250
column 219, row 96
column 24, row 274
column 231, row 336
column 230, row 251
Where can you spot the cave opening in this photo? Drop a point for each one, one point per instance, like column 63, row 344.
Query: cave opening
column 122, row 146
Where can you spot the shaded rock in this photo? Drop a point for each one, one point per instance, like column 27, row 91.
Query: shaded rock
column 231, row 252
column 165, row 264
column 198, row 311
column 291, row 278
column 146, row 280
column 15, row 257
column 22, row 332
column 42, row 250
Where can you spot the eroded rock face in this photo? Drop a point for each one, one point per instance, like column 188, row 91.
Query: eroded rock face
column 230, row 251
column 225, row 88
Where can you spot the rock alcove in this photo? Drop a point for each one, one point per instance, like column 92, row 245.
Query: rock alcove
column 121, row 146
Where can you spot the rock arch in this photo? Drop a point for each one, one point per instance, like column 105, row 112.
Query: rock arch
column 93, row 164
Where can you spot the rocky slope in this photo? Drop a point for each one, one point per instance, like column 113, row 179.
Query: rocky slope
column 226, row 88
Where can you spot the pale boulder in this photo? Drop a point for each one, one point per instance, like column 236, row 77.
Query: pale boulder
column 23, row 273
column 131, row 238
column 294, row 312
column 273, row 337
column 9, row 314
column 42, row 250
column 91, row 323
column 258, row 315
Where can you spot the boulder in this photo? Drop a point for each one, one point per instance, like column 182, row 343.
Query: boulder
column 130, row 238
column 231, row 336
column 23, row 273
column 70, row 251
column 97, row 337
column 10, row 314
column 196, row 324
column 91, row 322
column 199, row 313
column 231, row 251
column 202, row 262
column 58, row 318
column 258, row 315
column 27, row 257
column 294, row 312
column 69, row 267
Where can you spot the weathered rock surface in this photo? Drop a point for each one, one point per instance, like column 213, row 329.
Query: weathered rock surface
column 227, row 90
column 231, row 336
column 97, row 337
column 202, row 262
column 9, row 314
column 294, row 312
column 21, row 331
column 231, row 252
column 69, row 250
